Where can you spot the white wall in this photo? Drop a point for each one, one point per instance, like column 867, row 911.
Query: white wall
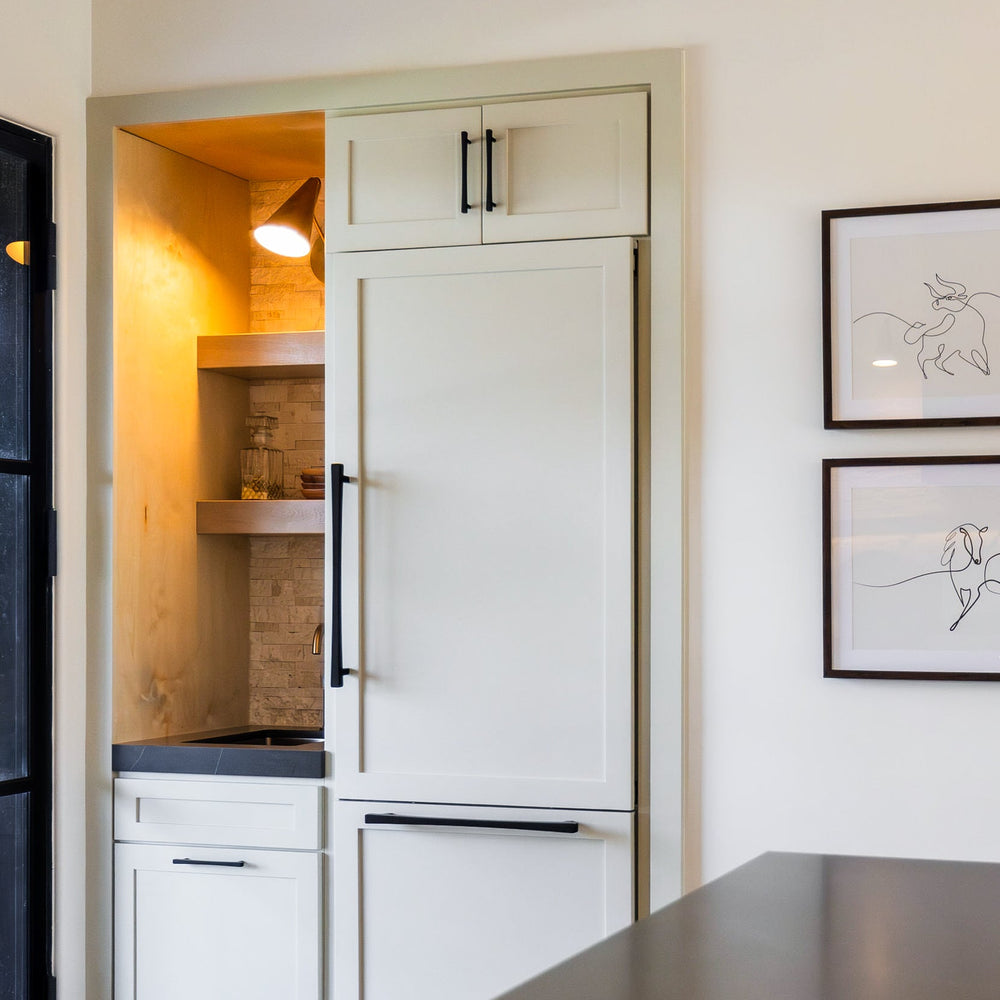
column 793, row 107
column 44, row 80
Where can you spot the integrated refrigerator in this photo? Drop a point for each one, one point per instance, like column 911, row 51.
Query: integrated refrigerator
column 480, row 619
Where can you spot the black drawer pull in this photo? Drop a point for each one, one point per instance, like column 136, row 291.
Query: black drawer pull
column 211, row 864
column 466, row 142
column 490, row 140
column 336, row 640
column 527, row 826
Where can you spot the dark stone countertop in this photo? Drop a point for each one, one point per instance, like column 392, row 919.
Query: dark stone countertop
column 220, row 751
column 804, row 927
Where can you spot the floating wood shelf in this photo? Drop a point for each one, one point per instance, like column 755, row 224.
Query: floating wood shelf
column 260, row 517
column 264, row 355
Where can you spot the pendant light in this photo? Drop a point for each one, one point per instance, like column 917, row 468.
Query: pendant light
column 288, row 232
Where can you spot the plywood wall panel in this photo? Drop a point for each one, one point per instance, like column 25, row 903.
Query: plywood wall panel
column 180, row 604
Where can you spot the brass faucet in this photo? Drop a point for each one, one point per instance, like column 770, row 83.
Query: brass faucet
column 318, row 640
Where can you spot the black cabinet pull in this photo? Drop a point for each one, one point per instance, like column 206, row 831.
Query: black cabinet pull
column 490, row 140
column 336, row 640
column 210, row 864
column 526, row 826
column 466, row 142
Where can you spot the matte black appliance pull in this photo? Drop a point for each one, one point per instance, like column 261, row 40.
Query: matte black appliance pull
column 527, row 826
column 466, row 142
column 210, row 864
column 490, row 140
column 337, row 480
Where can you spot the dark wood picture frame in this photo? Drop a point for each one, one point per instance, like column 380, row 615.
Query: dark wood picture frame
column 920, row 279
column 907, row 547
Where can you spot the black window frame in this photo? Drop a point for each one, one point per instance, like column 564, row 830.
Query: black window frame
column 37, row 151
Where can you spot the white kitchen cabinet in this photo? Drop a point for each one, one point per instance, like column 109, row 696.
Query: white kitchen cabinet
column 203, row 922
column 483, row 411
column 506, row 172
column 455, row 910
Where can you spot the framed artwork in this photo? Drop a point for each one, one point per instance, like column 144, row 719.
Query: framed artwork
column 911, row 568
column 911, row 315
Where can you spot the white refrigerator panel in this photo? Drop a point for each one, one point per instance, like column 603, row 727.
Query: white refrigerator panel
column 465, row 912
column 482, row 406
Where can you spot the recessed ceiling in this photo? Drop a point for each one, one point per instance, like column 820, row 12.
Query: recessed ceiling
column 259, row 148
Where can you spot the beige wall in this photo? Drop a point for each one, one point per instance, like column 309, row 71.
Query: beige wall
column 792, row 108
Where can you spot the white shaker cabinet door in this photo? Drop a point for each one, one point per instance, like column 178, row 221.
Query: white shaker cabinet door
column 563, row 169
column 569, row 168
column 403, row 179
column 465, row 912
column 202, row 923
column 483, row 410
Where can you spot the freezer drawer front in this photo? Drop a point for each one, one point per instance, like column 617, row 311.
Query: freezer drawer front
column 483, row 412
column 460, row 912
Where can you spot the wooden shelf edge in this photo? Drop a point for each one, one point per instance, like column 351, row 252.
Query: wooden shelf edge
column 298, row 354
column 260, row 517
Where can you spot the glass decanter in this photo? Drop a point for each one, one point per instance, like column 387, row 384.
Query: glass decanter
column 261, row 466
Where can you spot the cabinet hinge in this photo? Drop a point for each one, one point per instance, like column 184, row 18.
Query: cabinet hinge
column 50, row 260
column 53, row 543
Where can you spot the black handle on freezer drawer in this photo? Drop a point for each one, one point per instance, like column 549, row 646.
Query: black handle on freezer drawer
column 466, row 142
column 527, row 826
column 337, row 480
column 211, row 864
column 490, row 140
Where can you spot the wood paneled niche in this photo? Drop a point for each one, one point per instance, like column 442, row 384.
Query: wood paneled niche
column 201, row 639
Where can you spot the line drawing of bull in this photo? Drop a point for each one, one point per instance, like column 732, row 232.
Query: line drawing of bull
column 961, row 557
column 959, row 335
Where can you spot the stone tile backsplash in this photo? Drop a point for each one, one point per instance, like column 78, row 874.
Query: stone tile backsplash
column 286, row 571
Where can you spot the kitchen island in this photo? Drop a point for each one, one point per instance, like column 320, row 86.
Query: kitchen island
column 804, row 927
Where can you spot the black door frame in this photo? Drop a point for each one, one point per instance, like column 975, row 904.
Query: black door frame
column 36, row 150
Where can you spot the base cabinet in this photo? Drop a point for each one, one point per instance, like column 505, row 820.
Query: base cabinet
column 202, row 921
column 208, row 923
column 465, row 912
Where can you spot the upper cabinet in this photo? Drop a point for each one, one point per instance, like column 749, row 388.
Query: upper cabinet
column 500, row 173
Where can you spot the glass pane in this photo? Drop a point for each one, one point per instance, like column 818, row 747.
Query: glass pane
column 13, row 897
column 14, row 309
column 13, row 627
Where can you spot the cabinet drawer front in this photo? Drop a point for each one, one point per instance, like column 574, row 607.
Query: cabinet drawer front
column 209, row 812
column 205, row 923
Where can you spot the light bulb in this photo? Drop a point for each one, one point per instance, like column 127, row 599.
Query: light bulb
column 282, row 240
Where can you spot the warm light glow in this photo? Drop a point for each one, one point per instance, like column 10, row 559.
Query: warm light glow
column 19, row 251
column 282, row 240
column 885, row 363
column 289, row 230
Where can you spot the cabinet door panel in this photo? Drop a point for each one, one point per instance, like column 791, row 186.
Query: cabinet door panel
column 202, row 932
column 395, row 180
column 568, row 168
column 484, row 404
column 446, row 913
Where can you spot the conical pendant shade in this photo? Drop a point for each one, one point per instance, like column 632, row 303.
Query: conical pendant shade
column 288, row 231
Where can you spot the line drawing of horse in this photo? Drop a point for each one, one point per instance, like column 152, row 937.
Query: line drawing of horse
column 959, row 335
column 966, row 543
column 961, row 557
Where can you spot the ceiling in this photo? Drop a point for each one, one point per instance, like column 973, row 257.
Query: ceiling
column 259, row 148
